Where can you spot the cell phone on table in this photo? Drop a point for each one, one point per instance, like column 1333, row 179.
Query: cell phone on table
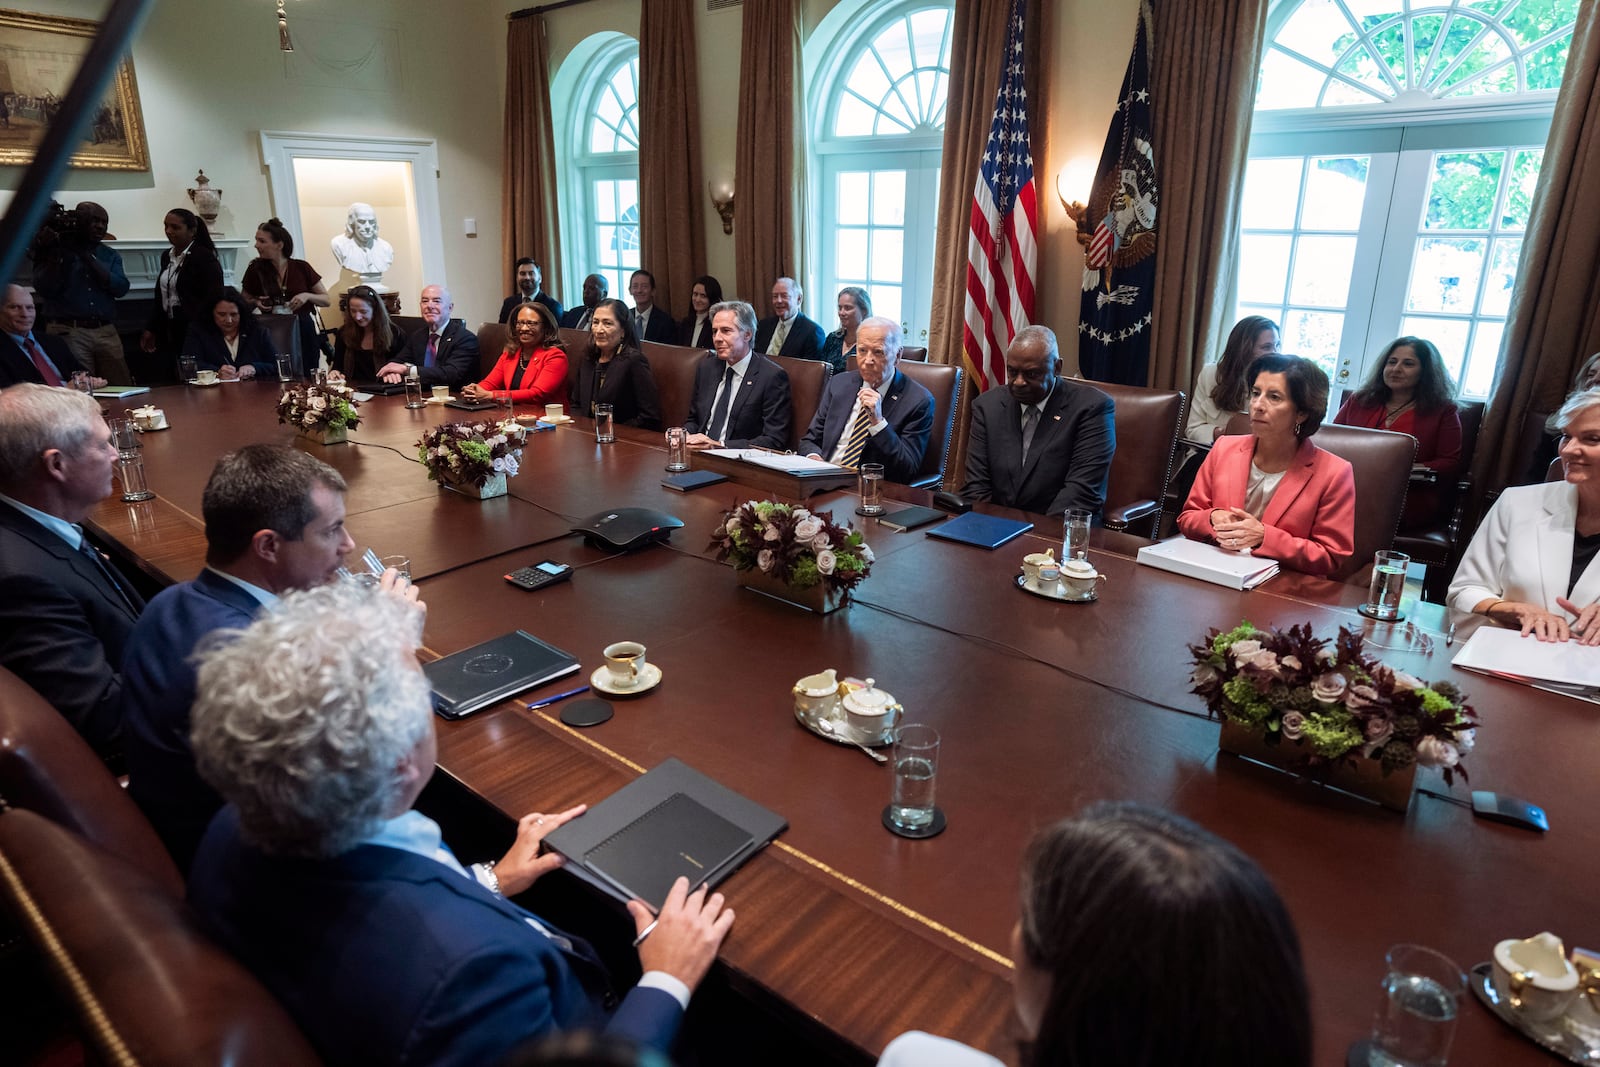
column 545, row 572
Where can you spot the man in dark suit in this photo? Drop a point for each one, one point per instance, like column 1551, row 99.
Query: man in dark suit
column 595, row 288
column 65, row 614
column 530, row 282
column 344, row 902
column 1041, row 444
column 873, row 414
column 25, row 356
column 274, row 523
column 786, row 332
column 444, row 351
column 741, row 400
column 650, row 321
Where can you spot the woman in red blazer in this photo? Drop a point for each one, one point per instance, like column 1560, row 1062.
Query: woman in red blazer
column 1409, row 391
column 1273, row 492
column 532, row 366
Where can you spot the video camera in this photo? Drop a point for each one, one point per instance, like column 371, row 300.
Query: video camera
column 63, row 229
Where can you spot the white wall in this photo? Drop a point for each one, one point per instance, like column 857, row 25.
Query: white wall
column 211, row 77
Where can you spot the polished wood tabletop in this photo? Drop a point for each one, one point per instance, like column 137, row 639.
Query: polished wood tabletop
column 1043, row 708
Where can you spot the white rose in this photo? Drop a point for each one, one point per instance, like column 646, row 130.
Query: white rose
column 1434, row 752
column 820, row 542
column 771, row 533
column 1465, row 740
column 826, row 560
column 807, row 529
column 764, row 559
column 866, row 553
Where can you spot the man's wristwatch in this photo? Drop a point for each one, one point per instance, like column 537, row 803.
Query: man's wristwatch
column 487, row 876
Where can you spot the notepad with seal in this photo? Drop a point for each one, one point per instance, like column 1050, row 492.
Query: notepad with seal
column 985, row 531
column 671, row 822
column 474, row 678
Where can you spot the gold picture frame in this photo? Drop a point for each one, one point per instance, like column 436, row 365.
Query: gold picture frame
column 39, row 57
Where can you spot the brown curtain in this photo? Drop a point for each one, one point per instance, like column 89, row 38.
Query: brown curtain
column 769, row 164
column 1554, row 321
column 1203, row 62
column 531, row 222
column 672, row 196
column 978, row 36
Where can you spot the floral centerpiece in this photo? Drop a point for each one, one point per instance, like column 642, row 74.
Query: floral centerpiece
column 791, row 553
column 1324, row 706
column 320, row 412
column 476, row 455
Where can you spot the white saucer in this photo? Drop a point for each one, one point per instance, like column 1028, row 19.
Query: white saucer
column 561, row 420
column 601, row 680
column 206, row 385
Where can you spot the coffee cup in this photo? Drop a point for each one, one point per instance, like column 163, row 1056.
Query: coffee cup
column 150, row 418
column 441, row 392
column 553, row 412
column 1534, row 976
column 1032, row 562
column 625, row 664
column 206, row 377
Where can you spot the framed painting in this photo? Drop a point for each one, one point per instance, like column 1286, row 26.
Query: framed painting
column 39, row 56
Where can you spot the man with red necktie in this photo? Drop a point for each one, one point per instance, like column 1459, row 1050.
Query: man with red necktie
column 25, row 356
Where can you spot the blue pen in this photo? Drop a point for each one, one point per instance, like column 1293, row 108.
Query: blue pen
column 547, row 701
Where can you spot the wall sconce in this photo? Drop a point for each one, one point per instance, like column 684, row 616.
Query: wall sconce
column 284, row 44
column 1077, row 174
column 722, row 199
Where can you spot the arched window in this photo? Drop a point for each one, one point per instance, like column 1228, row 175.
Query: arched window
column 1395, row 149
column 882, row 74
column 600, row 205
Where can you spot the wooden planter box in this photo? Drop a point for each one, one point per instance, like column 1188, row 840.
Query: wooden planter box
column 1366, row 780
column 819, row 598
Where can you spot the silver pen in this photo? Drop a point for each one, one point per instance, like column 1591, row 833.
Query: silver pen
column 1450, row 636
column 645, row 933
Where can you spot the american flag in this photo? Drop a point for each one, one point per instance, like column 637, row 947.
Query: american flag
column 1004, row 224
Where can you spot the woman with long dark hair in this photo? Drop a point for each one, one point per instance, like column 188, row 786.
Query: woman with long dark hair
column 369, row 338
column 613, row 371
column 1220, row 391
column 695, row 330
column 232, row 343
column 190, row 274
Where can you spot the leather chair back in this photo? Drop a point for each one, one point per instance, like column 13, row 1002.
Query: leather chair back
column 943, row 380
column 1438, row 545
column 914, row 354
column 1555, row 472
column 145, row 985
column 411, row 324
column 673, row 367
column 1149, row 423
column 807, row 379
column 45, row 767
column 491, row 342
column 284, row 330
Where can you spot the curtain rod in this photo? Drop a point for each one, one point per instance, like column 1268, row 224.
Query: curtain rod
column 543, row 8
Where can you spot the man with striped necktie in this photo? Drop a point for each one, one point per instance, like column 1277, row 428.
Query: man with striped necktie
column 873, row 414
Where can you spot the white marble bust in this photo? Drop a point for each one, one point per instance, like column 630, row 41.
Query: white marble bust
column 359, row 249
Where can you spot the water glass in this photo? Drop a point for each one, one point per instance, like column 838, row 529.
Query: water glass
column 510, row 413
column 1416, row 1018
column 1388, row 583
column 414, row 393
column 81, row 382
column 1075, row 534
column 125, row 435
column 871, row 489
column 604, row 431
column 397, row 563
column 677, row 449
column 285, row 368
column 916, row 763
column 186, row 369
column 130, row 472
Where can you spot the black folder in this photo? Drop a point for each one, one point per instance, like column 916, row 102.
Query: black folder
column 487, row 673
column 672, row 821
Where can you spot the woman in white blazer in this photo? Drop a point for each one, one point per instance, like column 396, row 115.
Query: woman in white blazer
column 1535, row 561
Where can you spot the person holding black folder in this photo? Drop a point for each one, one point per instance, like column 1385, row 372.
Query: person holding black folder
column 345, row 902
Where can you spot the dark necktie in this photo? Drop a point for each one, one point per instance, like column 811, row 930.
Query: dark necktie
column 719, row 413
column 1030, row 422
column 583, row 322
column 858, row 439
column 40, row 364
column 106, row 572
column 433, row 350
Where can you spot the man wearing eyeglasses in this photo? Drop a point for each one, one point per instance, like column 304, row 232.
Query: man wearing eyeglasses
column 1043, row 443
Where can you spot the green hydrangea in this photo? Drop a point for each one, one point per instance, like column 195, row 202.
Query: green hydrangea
column 476, row 450
column 1248, row 707
column 804, row 573
column 1332, row 733
column 1244, row 631
column 1434, row 702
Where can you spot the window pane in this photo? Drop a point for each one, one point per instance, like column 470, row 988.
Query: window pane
column 1461, row 192
column 1340, row 94
column 1502, row 275
column 1373, row 12
column 1546, row 65
column 1322, row 267
column 1445, row 273
column 1519, row 198
column 854, row 118
column 1530, row 22
column 853, row 197
column 886, row 301
column 889, row 198
column 888, row 255
column 605, row 201
column 1360, row 66
column 850, row 254
column 1286, row 82
column 1449, row 336
column 1485, row 356
column 1490, row 50
column 1314, row 335
column 1271, row 193
column 1263, row 268
column 1316, row 30
column 1336, row 188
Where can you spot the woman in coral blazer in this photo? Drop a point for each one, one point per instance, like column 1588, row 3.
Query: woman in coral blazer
column 532, row 367
column 1274, row 492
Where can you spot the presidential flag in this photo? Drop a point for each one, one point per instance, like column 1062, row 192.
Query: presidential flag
column 1004, row 224
column 1119, row 263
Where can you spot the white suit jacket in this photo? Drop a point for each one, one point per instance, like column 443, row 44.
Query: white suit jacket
column 1523, row 551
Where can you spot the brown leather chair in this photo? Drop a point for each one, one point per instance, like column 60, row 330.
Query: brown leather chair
column 1555, row 472
column 128, row 958
column 284, row 330
column 411, row 324
column 673, row 368
column 491, row 342
column 914, row 354
column 45, row 767
column 1440, row 546
column 1149, row 423
column 807, row 379
column 943, row 380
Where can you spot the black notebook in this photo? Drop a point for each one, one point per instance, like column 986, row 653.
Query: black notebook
column 474, row 405
column 985, row 531
column 485, row 674
column 684, row 481
column 672, row 821
column 911, row 518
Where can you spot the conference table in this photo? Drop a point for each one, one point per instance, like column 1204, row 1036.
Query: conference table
column 1043, row 709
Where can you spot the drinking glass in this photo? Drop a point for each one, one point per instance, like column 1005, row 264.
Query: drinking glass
column 186, row 369
column 80, row 381
column 414, row 393
column 871, row 489
column 399, row 563
column 1416, row 1017
column 604, row 432
column 285, row 368
column 1075, row 534
column 130, row 472
column 677, row 449
column 125, row 435
column 1388, row 584
column 916, row 763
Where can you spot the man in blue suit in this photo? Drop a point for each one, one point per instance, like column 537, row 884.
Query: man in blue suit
column 274, row 522
column 26, row 356
column 741, row 398
column 873, row 414
column 346, row 904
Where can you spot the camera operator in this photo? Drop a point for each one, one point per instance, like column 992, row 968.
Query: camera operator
column 80, row 280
